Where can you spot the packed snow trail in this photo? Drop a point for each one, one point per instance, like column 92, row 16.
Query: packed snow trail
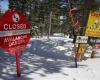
column 49, row 60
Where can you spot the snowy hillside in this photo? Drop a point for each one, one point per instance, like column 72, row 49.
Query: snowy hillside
column 49, row 60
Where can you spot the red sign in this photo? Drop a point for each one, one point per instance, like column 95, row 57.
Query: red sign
column 14, row 31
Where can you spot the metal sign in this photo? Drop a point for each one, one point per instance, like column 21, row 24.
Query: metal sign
column 81, row 39
column 81, row 51
column 14, row 31
column 93, row 25
column 93, row 40
column 14, row 34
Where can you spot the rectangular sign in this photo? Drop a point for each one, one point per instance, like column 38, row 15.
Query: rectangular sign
column 81, row 51
column 82, row 48
column 93, row 40
column 93, row 25
column 81, row 39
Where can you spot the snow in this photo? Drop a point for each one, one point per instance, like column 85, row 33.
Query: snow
column 49, row 60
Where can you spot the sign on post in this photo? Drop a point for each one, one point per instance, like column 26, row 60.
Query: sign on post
column 14, row 31
column 14, row 34
column 81, row 39
column 93, row 40
column 81, row 51
column 93, row 25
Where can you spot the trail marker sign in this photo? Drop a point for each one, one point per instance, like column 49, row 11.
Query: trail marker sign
column 81, row 39
column 14, row 31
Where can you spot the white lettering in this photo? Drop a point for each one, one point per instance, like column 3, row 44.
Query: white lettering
column 92, row 40
column 17, row 42
column 10, row 39
column 5, row 26
column 14, row 26
column 98, row 41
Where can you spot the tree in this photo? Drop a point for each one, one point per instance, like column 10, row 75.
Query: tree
column 38, row 13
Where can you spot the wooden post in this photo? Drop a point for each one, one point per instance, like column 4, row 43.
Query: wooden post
column 75, row 52
column 93, row 52
column 49, row 33
column 73, row 30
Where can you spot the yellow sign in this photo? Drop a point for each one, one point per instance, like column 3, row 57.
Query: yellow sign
column 93, row 25
column 82, row 48
column 81, row 51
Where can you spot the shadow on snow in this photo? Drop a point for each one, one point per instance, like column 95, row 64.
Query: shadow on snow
column 40, row 57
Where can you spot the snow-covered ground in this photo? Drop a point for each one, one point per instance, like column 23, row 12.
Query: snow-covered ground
column 49, row 60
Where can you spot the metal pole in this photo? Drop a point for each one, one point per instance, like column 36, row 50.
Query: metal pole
column 18, row 64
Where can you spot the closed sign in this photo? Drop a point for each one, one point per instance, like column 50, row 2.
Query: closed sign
column 14, row 31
